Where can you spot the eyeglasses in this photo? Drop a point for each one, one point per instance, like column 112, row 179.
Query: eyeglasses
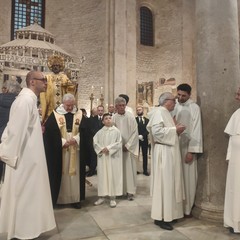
column 41, row 79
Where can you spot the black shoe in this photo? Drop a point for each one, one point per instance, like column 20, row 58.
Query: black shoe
column 91, row 173
column 174, row 221
column 76, row 205
column 231, row 230
column 146, row 173
column 163, row 225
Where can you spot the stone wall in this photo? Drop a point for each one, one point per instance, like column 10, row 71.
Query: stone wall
column 5, row 26
column 5, row 21
column 80, row 29
column 164, row 59
column 106, row 33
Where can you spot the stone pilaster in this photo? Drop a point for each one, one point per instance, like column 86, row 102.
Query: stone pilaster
column 217, row 68
column 121, row 56
column 109, row 70
column 188, row 45
column 131, row 15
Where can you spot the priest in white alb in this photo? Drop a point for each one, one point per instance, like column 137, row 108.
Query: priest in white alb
column 26, row 208
column 232, row 194
column 126, row 123
column 167, row 181
column 188, row 113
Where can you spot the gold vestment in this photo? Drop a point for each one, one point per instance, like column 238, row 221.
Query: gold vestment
column 57, row 86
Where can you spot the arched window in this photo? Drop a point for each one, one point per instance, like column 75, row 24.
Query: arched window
column 146, row 26
column 24, row 12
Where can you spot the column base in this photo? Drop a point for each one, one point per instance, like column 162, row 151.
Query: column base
column 210, row 215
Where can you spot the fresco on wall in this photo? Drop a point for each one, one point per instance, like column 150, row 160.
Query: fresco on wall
column 145, row 93
column 163, row 85
column 149, row 92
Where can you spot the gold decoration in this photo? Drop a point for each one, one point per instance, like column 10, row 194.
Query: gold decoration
column 61, row 121
column 56, row 60
column 77, row 121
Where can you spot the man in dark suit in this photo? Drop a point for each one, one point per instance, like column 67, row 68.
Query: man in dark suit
column 95, row 124
column 143, row 138
column 111, row 109
column 9, row 93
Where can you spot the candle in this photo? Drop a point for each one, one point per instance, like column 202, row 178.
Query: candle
column 106, row 106
column 92, row 88
column 97, row 101
column 101, row 89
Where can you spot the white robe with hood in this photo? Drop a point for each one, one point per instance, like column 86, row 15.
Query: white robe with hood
column 232, row 194
column 189, row 114
column 127, row 125
column 110, row 168
column 167, row 187
column 26, row 207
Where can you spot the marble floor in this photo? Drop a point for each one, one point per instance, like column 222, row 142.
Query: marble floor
column 130, row 220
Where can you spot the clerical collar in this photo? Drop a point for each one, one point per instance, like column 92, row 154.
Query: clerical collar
column 62, row 111
column 123, row 114
column 186, row 103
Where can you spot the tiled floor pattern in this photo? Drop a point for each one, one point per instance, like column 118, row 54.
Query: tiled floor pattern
column 130, row 220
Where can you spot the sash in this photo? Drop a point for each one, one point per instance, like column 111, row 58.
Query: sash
column 63, row 130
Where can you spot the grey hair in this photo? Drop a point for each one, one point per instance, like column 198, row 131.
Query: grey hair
column 68, row 96
column 120, row 100
column 12, row 86
column 163, row 97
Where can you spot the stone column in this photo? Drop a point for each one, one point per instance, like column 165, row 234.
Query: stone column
column 188, row 45
column 120, row 48
column 131, row 56
column 121, row 56
column 109, row 71
column 217, row 70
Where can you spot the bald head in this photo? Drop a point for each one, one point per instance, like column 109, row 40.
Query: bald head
column 30, row 76
column 36, row 81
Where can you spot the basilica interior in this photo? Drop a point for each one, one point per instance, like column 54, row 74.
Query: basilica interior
column 141, row 48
